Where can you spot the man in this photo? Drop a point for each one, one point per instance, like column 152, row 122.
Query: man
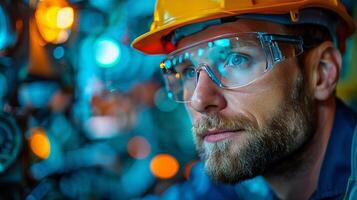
column 258, row 79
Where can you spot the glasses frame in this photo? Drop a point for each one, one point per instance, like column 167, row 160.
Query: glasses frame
column 268, row 42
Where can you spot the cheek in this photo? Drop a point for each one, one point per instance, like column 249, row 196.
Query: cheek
column 261, row 99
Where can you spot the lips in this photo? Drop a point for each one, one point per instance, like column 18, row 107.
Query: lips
column 219, row 135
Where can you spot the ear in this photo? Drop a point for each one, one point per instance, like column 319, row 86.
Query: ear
column 327, row 70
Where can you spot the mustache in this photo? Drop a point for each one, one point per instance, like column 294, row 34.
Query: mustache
column 220, row 122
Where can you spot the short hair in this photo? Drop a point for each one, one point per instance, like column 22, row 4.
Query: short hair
column 312, row 34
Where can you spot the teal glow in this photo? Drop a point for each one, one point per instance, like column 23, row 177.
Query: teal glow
column 187, row 55
column 167, row 64
column 200, row 52
column 170, row 95
column 180, row 59
column 222, row 42
column 107, row 52
column 6, row 37
column 174, row 61
column 210, row 44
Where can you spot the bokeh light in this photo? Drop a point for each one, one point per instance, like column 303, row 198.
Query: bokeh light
column 65, row 18
column 37, row 94
column 39, row 143
column 7, row 36
column 164, row 166
column 54, row 20
column 51, row 16
column 104, row 126
column 107, row 52
column 138, row 147
column 58, row 52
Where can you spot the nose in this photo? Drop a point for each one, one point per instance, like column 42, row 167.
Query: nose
column 207, row 96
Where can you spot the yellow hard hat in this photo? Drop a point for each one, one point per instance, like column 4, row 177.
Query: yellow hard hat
column 172, row 14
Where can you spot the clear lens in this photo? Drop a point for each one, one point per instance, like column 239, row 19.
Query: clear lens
column 231, row 61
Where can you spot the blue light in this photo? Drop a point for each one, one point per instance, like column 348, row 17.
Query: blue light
column 180, row 59
column 210, row 44
column 58, row 52
column 174, row 61
column 222, row 42
column 170, row 95
column 107, row 52
column 200, row 52
column 7, row 36
column 37, row 94
column 167, row 64
column 187, row 55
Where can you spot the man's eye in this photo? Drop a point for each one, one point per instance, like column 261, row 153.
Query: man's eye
column 236, row 60
column 189, row 73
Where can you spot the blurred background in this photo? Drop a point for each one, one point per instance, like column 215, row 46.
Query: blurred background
column 84, row 116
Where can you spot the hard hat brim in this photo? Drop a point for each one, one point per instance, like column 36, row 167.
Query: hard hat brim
column 152, row 41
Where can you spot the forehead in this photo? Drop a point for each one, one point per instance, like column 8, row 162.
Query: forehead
column 242, row 25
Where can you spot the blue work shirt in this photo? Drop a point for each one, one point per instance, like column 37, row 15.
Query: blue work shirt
column 332, row 184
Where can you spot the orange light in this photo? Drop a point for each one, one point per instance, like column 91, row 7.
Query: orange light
column 54, row 20
column 138, row 147
column 65, row 18
column 39, row 143
column 62, row 36
column 50, row 35
column 51, row 16
column 164, row 166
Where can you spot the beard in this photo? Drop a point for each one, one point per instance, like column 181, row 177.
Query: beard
column 274, row 147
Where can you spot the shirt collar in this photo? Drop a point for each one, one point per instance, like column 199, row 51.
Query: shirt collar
column 336, row 167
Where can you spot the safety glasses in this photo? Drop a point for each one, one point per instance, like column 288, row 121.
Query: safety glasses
column 231, row 61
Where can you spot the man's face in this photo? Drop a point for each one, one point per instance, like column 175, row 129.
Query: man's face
column 245, row 132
